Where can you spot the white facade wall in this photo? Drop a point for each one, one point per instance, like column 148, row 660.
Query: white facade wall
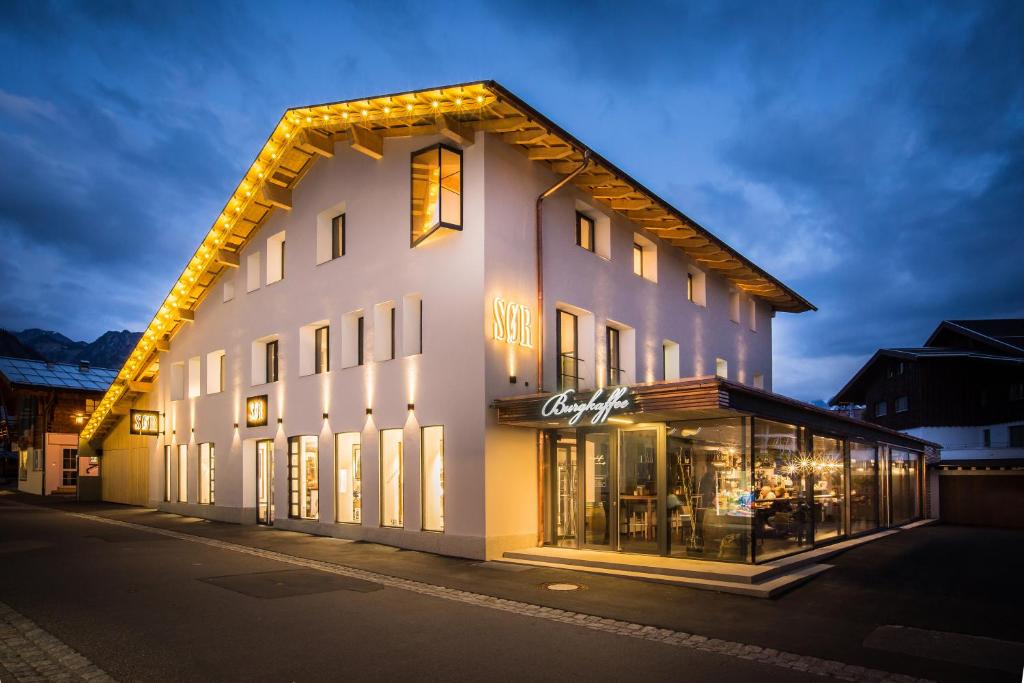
column 490, row 472
column 968, row 443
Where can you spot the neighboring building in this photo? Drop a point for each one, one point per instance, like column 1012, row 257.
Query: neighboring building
column 43, row 408
column 364, row 344
column 963, row 389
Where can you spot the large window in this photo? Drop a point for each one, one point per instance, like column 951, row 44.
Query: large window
column 303, row 477
column 863, row 487
column 829, row 487
column 206, row 474
column 584, row 231
column 709, row 498
column 436, row 191
column 183, row 473
column 432, row 473
column 903, row 478
column 613, row 355
column 322, row 349
column 568, row 351
column 782, row 480
column 391, row 513
column 349, row 478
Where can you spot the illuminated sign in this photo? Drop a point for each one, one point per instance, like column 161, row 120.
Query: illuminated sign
column 256, row 411
column 512, row 323
column 566, row 404
column 144, row 422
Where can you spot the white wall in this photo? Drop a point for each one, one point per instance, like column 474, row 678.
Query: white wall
column 968, row 442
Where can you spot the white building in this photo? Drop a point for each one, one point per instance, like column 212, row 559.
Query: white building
column 330, row 359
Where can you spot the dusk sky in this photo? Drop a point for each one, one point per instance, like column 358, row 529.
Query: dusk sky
column 871, row 156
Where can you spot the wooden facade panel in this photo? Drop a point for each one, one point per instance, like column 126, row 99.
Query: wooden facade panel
column 124, row 467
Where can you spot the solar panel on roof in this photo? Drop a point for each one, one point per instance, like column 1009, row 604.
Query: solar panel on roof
column 57, row 375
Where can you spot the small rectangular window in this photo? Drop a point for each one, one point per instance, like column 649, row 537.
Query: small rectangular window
column 695, row 286
column 338, row 236
column 722, row 368
column 352, row 339
column 612, row 350
column 168, row 473
column 584, row 231
column 252, row 272
column 638, row 259
column 194, row 374
column 1017, row 391
column 759, row 381
column 321, row 341
column 412, row 324
column 270, row 354
column 881, row 409
column 360, row 340
column 1017, row 436
column 436, row 191
column 215, row 372
column 986, row 438
column 901, row 405
column 645, row 258
column 670, row 360
column 384, row 331
column 275, row 257
column 752, row 312
column 177, row 381
column 432, row 468
column 689, row 287
column 734, row 306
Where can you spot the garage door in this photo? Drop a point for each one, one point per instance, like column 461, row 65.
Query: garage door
column 990, row 499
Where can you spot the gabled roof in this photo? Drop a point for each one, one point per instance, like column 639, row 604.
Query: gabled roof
column 39, row 373
column 457, row 111
column 1004, row 335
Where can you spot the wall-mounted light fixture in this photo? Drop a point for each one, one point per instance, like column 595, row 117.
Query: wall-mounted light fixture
column 369, row 411
column 512, row 379
column 411, row 406
column 325, row 416
column 280, row 420
column 236, row 425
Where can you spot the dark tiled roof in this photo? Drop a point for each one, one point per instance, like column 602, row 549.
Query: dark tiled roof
column 39, row 373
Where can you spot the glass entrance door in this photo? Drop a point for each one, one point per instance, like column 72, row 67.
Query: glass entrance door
column 562, row 490
column 265, row 482
column 638, row 511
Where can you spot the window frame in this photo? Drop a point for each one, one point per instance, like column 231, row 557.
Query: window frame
column 360, row 340
column 424, row 481
column 295, row 472
column 613, row 347
column 338, row 231
column 401, row 477
column 267, row 356
column 582, row 218
column 413, row 242
column 575, row 351
column 211, row 457
column 638, row 257
column 318, row 364
column 884, row 405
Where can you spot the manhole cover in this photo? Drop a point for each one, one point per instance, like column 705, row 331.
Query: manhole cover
column 563, row 586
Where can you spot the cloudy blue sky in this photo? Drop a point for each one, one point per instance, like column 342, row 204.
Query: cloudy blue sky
column 869, row 155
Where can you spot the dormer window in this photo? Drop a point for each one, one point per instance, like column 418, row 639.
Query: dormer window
column 436, row 191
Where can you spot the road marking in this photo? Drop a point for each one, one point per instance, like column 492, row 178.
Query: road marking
column 786, row 660
column 28, row 653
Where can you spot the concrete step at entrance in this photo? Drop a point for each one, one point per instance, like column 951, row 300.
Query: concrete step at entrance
column 769, row 588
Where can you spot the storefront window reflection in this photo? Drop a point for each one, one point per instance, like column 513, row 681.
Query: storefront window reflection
column 829, row 487
column 347, row 457
column 638, row 491
column 903, row 476
column 391, row 477
column 782, row 516
column 303, row 477
column 709, row 499
column 863, row 487
column 432, row 446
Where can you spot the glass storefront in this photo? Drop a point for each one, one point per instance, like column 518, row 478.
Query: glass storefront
column 303, row 477
column 265, row 481
column 348, row 462
column 432, row 473
column 391, row 513
column 207, row 473
column 782, row 514
column 735, row 489
column 864, row 487
column 829, row 472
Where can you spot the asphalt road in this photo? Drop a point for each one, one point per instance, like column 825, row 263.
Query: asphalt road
column 147, row 607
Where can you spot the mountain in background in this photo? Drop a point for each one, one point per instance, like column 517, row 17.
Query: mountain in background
column 109, row 350
column 12, row 347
